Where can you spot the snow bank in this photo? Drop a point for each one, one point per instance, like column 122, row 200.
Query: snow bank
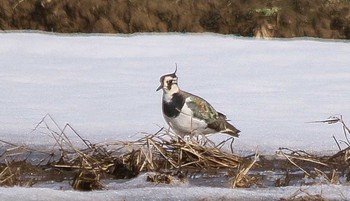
column 329, row 192
column 104, row 85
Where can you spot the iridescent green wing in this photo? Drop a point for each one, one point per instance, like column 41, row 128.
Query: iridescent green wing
column 202, row 109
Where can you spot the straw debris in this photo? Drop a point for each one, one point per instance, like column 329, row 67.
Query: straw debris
column 169, row 156
column 242, row 179
column 329, row 168
column 166, row 178
column 89, row 163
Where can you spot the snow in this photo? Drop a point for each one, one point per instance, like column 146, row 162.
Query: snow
column 328, row 192
column 104, row 86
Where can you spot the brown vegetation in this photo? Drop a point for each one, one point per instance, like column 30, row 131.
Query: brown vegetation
column 269, row 18
column 170, row 158
column 162, row 152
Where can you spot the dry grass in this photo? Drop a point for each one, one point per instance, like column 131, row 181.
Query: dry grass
column 166, row 178
column 329, row 168
column 242, row 179
column 171, row 157
column 160, row 152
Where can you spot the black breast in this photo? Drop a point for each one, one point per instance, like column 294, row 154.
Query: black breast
column 173, row 108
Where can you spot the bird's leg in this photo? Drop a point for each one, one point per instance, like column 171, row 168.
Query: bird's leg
column 231, row 145
column 203, row 139
column 192, row 131
column 180, row 141
column 192, row 135
column 179, row 160
column 168, row 130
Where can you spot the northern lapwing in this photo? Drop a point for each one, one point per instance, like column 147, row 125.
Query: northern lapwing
column 188, row 114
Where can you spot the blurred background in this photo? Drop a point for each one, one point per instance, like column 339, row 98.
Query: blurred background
column 254, row 18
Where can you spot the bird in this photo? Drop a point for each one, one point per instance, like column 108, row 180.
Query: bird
column 189, row 114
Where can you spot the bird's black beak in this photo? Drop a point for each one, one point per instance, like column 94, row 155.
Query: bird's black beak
column 159, row 88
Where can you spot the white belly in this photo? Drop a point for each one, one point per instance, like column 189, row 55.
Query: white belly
column 184, row 124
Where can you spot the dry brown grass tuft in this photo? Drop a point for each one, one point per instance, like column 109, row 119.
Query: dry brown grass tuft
column 87, row 180
column 166, row 178
column 241, row 178
column 8, row 176
column 162, row 151
column 329, row 168
column 18, row 174
column 168, row 151
column 171, row 158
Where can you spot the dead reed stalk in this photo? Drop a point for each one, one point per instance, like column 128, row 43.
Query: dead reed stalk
column 327, row 167
column 159, row 152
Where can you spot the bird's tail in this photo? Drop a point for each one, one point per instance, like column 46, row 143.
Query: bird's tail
column 230, row 129
column 221, row 125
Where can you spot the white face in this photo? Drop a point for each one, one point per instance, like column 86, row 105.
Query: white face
column 170, row 84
